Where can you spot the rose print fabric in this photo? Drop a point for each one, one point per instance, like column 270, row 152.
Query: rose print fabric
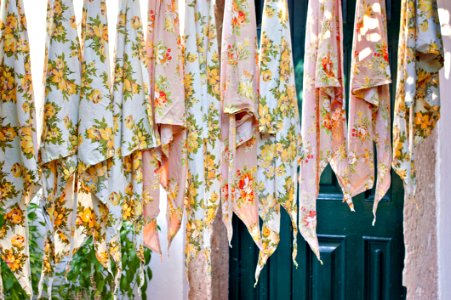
column 95, row 136
column 323, row 126
column 417, row 104
column 279, row 125
column 170, row 119
column 152, row 159
column 202, row 92
column 369, row 106
column 239, row 96
column 58, row 151
column 134, row 132
column 19, row 175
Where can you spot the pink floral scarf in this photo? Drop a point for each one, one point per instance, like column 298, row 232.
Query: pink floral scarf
column 323, row 126
column 239, row 96
column 369, row 107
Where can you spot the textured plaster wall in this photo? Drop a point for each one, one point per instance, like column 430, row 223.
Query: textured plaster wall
column 420, row 274
column 444, row 161
column 427, row 225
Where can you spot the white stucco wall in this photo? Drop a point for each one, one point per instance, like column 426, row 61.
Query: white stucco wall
column 443, row 173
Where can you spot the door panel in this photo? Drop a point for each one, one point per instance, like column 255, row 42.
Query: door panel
column 360, row 261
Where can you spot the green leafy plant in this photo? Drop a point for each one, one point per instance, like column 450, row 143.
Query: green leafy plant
column 87, row 279
column 11, row 287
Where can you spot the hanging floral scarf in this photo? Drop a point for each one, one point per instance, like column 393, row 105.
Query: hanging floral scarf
column 169, row 107
column 279, row 127
column 152, row 159
column 369, row 106
column 95, row 213
column 239, row 96
column 59, row 138
column 134, row 132
column 202, row 89
column 417, row 104
column 323, row 111
column 19, row 176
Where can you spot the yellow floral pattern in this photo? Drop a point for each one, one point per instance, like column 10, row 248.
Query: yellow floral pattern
column 133, row 131
column 19, row 172
column 97, row 215
column 417, row 104
column 59, row 141
column 201, row 70
column 279, row 125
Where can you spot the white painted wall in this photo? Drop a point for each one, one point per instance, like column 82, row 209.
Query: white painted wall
column 444, row 161
column 168, row 281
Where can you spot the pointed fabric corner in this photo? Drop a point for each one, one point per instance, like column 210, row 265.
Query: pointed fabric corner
column 369, row 106
column 97, row 215
column 202, row 88
column 323, row 125
column 169, row 162
column 134, row 131
column 59, row 142
column 239, row 96
column 417, row 102
column 19, row 170
column 279, row 125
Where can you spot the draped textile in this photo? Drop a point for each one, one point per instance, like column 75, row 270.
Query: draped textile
column 134, row 131
column 202, row 92
column 323, row 125
column 417, row 103
column 59, row 142
column 279, row 126
column 97, row 215
column 19, row 173
column 369, row 106
column 169, row 163
column 239, row 96
column 152, row 159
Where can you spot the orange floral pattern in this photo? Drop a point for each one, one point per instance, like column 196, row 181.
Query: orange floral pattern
column 168, row 163
column 369, row 106
column 323, row 124
column 239, row 130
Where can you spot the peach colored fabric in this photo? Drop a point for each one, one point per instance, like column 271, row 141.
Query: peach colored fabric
column 323, row 124
column 369, row 107
column 239, row 96
column 169, row 162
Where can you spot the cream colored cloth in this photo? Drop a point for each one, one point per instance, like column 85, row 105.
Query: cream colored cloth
column 280, row 130
column 19, row 174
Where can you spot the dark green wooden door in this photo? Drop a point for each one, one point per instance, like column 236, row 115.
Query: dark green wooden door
column 360, row 261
